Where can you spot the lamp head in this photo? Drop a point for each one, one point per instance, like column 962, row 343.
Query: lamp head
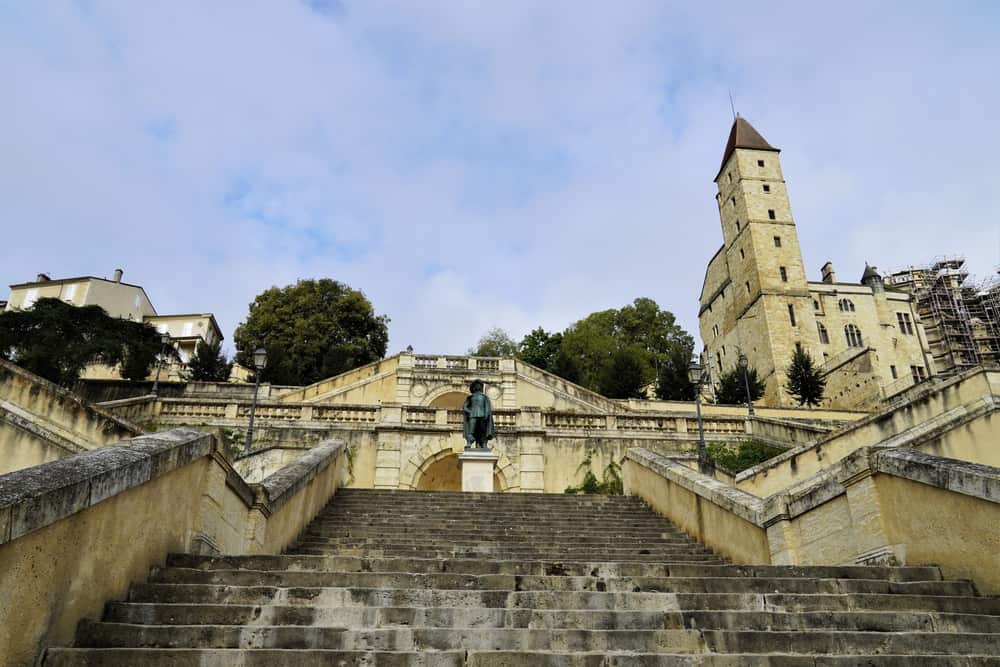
column 259, row 358
column 164, row 339
column 743, row 361
column 694, row 371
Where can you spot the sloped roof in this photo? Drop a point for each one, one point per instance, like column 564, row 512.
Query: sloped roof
column 743, row 135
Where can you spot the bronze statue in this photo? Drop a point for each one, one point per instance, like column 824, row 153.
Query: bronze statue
column 478, row 424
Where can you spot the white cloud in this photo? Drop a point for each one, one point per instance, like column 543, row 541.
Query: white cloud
column 470, row 165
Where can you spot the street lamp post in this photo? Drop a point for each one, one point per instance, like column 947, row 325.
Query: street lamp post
column 744, row 364
column 259, row 362
column 695, row 376
column 164, row 341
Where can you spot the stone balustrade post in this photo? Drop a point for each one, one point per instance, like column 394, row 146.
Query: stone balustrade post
column 306, row 413
column 232, row 410
column 441, row 416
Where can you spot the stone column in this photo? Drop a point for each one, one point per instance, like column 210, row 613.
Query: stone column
column 477, row 470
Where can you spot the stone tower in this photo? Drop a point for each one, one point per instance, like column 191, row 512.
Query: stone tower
column 756, row 299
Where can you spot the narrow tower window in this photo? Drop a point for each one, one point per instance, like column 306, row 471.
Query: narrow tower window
column 824, row 337
column 748, row 286
column 777, row 241
column 770, row 214
column 737, row 226
column 767, row 188
column 791, row 314
column 742, row 255
column 784, row 274
column 732, row 200
column 760, row 163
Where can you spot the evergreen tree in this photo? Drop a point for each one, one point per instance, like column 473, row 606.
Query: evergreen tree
column 623, row 375
column 732, row 388
column 209, row 363
column 672, row 383
column 805, row 382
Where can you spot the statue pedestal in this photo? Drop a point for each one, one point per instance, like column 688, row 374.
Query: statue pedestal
column 477, row 470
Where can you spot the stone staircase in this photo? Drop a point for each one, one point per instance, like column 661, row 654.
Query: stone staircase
column 402, row 578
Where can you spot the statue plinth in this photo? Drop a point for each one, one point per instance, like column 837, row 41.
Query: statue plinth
column 477, row 470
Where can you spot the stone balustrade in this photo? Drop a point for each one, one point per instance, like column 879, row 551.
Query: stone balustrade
column 237, row 413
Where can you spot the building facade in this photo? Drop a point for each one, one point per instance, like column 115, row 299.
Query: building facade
column 962, row 319
column 757, row 300
column 125, row 301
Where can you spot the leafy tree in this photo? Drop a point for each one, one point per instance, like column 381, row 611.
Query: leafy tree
column 732, row 388
column 311, row 330
column 209, row 363
column 495, row 343
column 805, row 382
column 594, row 343
column 623, row 375
column 57, row 341
column 540, row 348
column 672, row 383
column 744, row 455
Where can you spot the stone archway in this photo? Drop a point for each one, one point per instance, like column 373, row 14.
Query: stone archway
column 453, row 400
column 439, row 469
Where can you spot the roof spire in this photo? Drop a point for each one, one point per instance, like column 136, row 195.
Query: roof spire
column 743, row 135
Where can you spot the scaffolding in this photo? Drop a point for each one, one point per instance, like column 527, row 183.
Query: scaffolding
column 961, row 319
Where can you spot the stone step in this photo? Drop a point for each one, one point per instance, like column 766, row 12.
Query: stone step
column 653, row 556
column 557, row 600
column 464, row 617
column 97, row 634
column 552, row 568
column 472, row 551
column 445, row 581
column 498, row 534
column 306, row 658
column 470, row 541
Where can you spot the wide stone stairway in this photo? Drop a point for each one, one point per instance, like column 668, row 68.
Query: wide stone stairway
column 488, row 580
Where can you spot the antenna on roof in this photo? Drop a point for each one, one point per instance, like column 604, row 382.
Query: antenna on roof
column 731, row 105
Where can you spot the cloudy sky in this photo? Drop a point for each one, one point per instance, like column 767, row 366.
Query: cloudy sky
column 470, row 164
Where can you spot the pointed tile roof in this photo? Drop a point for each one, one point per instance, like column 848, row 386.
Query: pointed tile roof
column 743, row 135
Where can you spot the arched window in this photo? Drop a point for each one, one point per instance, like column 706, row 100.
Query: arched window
column 824, row 337
column 846, row 306
column 853, row 335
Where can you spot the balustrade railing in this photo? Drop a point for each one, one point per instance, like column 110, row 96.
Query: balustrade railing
column 175, row 408
column 346, row 414
column 630, row 423
column 419, row 415
column 270, row 412
column 573, row 420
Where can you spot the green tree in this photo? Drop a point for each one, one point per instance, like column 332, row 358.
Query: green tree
column 540, row 348
column 672, row 383
column 57, row 341
column 311, row 330
column 494, row 343
column 736, row 459
column 805, row 382
column 209, row 363
column 732, row 388
column 593, row 344
column 623, row 376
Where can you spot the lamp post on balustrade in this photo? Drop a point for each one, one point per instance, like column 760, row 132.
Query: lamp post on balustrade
column 695, row 376
column 744, row 364
column 259, row 363
column 164, row 341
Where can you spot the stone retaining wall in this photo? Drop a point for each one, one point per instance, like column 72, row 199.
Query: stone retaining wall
column 77, row 532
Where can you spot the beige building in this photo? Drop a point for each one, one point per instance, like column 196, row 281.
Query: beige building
column 125, row 301
column 757, row 300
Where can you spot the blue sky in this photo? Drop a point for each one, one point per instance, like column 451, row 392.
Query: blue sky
column 470, row 165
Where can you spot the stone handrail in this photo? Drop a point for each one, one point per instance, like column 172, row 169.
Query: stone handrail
column 876, row 506
column 77, row 532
